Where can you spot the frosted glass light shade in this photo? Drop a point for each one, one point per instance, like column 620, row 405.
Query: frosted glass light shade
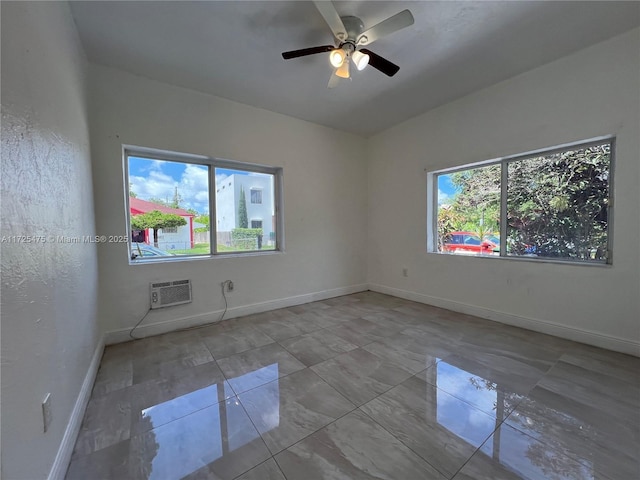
column 360, row 60
column 337, row 57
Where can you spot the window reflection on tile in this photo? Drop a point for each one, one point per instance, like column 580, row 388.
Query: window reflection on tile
column 201, row 439
column 484, row 393
column 470, row 424
column 531, row 458
column 165, row 412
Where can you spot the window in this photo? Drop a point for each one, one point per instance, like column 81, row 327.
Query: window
column 256, row 223
column 256, row 196
column 555, row 203
column 167, row 191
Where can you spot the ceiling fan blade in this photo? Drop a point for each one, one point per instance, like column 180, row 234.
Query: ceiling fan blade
column 382, row 64
column 307, row 51
column 331, row 16
column 334, row 80
column 386, row 27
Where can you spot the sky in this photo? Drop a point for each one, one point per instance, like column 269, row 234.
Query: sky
column 446, row 189
column 150, row 178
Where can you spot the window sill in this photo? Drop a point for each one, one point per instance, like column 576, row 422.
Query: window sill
column 189, row 258
column 531, row 259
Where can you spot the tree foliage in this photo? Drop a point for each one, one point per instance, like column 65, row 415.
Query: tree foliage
column 156, row 220
column 557, row 204
column 203, row 219
column 243, row 219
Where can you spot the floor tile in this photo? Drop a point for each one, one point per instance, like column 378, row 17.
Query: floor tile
column 156, row 403
column 256, row 367
column 510, row 454
column 215, row 442
column 317, row 346
column 506, row 373
column 268, row 470
column 360, row 375
column 430, row 384
column 107, row 421
column 594, row 389
column 283, row 324
column 107, row 463
column 595, row 437
column 613, row 364
column 442, row 429
column 475, row 386
column 115, row 373
column 166, row 361
column 287, row 410
column 409, row 356
column 417, row 340
column 362, row 332
column 353, row 447
column 225, row 340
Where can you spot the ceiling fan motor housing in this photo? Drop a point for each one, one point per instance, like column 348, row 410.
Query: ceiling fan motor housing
column 354, row 28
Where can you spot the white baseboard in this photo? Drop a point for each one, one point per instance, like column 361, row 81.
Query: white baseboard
column 147, row 330
column 543, row 326
column 61, row 462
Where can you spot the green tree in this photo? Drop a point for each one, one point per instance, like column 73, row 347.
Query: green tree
column 132, row 193
column 243, row 220
column 156, row 220
column 203, row 219
column 557, row 204
column 177, row 199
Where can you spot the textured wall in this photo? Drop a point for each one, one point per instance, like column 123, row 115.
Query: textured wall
column 49, row 288
column 591, row 93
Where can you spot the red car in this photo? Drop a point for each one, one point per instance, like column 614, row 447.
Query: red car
column 470, row 243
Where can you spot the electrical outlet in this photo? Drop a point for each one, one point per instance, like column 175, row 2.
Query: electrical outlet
column 46, row 412
column 405, row 272
column 229, row 286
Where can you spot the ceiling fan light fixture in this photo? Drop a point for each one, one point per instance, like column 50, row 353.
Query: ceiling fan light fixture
column 360, row 60
column 343, row 70
column 337, row 57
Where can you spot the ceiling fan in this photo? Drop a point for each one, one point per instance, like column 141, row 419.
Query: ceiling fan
column 350, row 36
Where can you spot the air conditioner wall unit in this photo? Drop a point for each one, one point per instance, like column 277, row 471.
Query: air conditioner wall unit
column 168, row 294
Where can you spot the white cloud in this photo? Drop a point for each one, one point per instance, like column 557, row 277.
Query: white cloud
column 192, row 186
column 443, row 197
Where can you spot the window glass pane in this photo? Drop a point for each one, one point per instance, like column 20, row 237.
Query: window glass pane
column 256, row 196
column 235, row 207
column 469, row 211
column 558, row 204
column 169, row 208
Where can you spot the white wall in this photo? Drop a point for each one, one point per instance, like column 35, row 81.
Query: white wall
column 49, row 291
column 590, row 93
column 324, row 199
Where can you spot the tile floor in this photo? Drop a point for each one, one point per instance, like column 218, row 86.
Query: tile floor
column 365, row 386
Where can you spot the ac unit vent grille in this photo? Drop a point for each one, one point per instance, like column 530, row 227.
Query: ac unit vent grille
column 167, row 294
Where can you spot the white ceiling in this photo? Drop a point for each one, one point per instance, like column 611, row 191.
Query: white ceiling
column 233, row 50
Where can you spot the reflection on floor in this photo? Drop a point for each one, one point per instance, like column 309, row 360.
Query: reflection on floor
column 362, row 386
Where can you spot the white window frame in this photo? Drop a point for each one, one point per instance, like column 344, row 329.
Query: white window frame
column 432, row 201
column 211, row 163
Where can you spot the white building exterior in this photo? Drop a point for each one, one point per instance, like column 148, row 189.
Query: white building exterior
column 258, row 191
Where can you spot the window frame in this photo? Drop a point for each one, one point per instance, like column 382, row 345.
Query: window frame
column 211, row 163
column 432, row 200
